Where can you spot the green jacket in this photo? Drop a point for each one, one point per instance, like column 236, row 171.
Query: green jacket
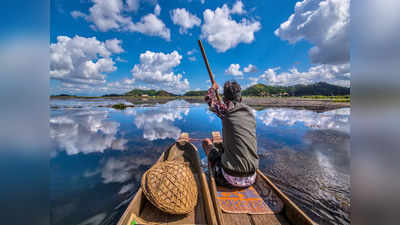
column 239, row 141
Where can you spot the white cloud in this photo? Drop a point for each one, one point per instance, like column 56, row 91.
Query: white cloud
column 85, row 132
column 238, row 8
column 107, row 15
column 132, row 5
column 81, row 61
column 114, row 45
column 224, row 33
column 203, row 1
column 192, row 58
column 113, row 15
column 335, row 74
column 234, row 70
column 191, row 52
column 184, row 19
column 153, row 26
column 326, row 24
column 250, row 69
column 157, row 10
column 156, row 68
column 119, row 59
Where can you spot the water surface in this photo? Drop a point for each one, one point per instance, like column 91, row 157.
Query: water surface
column 99, row 155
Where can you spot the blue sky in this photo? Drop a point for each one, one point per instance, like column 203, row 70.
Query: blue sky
column 113, row 46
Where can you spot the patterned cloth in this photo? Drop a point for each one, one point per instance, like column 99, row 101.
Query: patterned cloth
column 219, row 108
column 239, row 181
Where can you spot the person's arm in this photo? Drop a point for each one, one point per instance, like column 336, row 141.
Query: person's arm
column 211, row 98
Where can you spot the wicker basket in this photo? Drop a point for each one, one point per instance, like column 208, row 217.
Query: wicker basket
column 171, row 187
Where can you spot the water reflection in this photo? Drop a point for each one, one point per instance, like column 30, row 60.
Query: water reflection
column 305, row 152
column 158, row 122
column 309, row 159
column 85, row 132
column 336, row 119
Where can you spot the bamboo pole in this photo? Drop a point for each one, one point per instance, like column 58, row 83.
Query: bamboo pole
column 208, row 68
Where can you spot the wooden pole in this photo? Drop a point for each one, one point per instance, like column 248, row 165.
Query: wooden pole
column 208, row 68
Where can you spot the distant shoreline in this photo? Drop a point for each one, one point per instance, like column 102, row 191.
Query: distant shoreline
column 259, row 103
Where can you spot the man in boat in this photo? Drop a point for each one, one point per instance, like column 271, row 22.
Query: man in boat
column 235, row 164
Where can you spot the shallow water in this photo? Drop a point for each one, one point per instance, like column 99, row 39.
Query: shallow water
column 100, row 153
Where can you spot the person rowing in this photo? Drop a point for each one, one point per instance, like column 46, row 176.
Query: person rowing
column 235, row 164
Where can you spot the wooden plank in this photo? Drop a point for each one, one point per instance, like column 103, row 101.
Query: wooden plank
column 151, row 214
column 291, row 210
column 213, row 187
column 210, row 211
column 274, row 219
column 236, row 219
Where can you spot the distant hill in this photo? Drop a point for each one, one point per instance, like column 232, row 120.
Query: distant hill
column 62, row 95
column 195, row 93
column 112, row 95
column 320, row 88
column 263, row 90
column 140, row 92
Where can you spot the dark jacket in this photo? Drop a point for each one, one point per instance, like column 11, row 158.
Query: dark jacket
column 240, row 144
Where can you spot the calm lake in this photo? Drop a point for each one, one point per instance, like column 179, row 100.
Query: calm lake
column 99, row 155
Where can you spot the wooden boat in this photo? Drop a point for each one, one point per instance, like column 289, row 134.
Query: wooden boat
column 207, row 211
column 290, row 214
column 141, row 211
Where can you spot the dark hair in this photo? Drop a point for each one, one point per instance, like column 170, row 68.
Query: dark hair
column 232, row 91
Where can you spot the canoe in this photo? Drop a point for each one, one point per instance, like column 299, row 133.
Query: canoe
column 207, row 211
column 141, row 211
column 290, row 214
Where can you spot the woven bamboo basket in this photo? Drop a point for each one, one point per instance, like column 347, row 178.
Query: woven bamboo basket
column 171, row 187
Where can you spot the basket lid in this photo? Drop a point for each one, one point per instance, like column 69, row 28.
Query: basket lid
column 171, row 187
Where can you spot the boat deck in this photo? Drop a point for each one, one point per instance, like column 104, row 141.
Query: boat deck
column 290, row 213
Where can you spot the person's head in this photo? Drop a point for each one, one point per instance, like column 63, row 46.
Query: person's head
column 232, row 91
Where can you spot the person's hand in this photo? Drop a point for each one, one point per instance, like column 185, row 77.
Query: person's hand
column 207, row 145
column 215, row 86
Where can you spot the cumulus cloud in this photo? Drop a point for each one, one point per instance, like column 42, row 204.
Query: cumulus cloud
column 132, row 5
column 81, row 61
column 156, row 68
column 192, row 58
column 153, row 26
column 157, row 10
column 184, row 19
column 223, row 32
column 250, row 69
column 85, row 132
column 334, row 74
column 324, row 23
column 234, row 70
column 113, row 15
column 114, row 45
column 238, row 8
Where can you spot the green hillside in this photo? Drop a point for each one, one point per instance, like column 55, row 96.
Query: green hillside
column 195, row 93
column 320, row 88
column 140, row 92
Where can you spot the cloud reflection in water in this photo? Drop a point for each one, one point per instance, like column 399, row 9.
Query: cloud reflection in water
column 335, row 119
column 158, row 123
column 85, row 132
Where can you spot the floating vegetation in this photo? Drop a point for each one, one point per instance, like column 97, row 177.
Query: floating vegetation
column 121, row 106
